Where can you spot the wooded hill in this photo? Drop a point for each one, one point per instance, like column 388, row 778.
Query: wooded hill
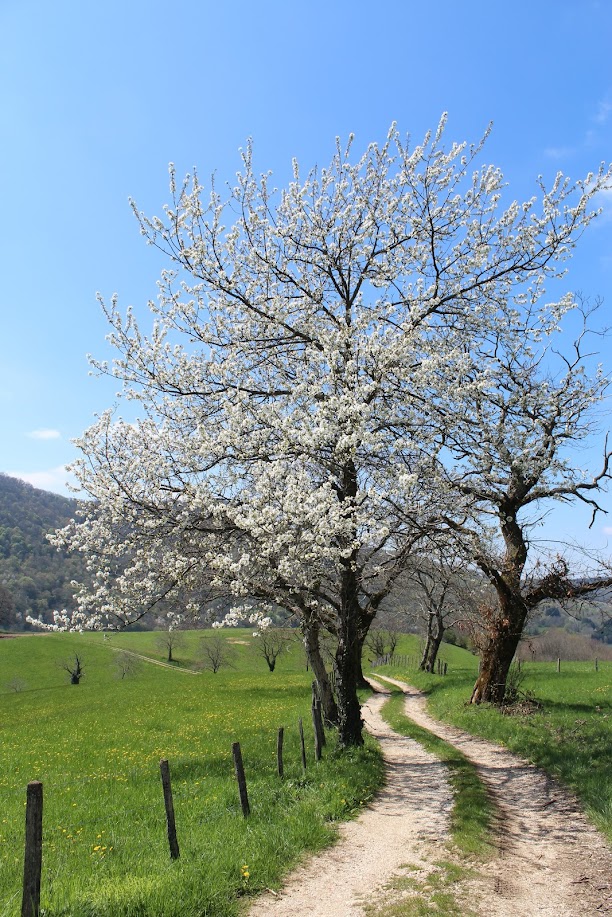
column 34, row 577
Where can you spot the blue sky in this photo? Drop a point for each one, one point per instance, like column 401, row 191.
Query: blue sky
column 98, row 98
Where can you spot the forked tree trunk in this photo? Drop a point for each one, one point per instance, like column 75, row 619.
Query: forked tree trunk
column 311, row 629
column 498, row 653
column 425, row 656
column 428, row 663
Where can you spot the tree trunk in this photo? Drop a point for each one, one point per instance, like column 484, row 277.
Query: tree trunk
column 348, row 662
column 350, row 724
column 310, row 629
column 498, row 653
column 425, row 656
column 433, row 642
column 361, row 680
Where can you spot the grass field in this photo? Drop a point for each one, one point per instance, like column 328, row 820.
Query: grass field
column 570, row 736
column 96, row 747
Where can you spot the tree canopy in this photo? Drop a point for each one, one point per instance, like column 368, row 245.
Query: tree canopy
column 304, row 342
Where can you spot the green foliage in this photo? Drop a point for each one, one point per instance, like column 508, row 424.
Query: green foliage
column 97, row 750
column 34, row 576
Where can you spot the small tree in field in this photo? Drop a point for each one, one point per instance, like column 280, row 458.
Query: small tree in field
column 298, row 338
column 216, row 653
column 74, row 668
column 126, row 664
column 169, row 642
column 270, row 643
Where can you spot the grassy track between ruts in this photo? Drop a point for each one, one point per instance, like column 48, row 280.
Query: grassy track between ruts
column 97, row 746
column 570, row 736
column 472, row 810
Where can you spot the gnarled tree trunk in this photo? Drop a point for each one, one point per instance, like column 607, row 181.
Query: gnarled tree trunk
column 311, row 629
column 435, row 632
column 497, row 655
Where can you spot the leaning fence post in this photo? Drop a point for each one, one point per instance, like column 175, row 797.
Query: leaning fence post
column 279, row 751
column 302, row 743
column 32, row 862
column 171, row 823
column 242, row 787
column 317, row 730
column 318, row 713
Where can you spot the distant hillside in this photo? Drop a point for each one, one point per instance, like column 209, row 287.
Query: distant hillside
column 34, row 577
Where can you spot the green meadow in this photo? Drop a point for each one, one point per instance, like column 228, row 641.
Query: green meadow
column 96, row 747
column 569, row 735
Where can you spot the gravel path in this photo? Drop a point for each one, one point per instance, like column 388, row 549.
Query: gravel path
column 550, row 860
column 404, row 824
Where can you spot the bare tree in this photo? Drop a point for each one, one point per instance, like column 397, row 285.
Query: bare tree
column 216, row 653
column 127, row 664
column 270, row 643
column 169, row 641
column 443, row 595
column 522, row 410
column 74, row 668
column 382, row 641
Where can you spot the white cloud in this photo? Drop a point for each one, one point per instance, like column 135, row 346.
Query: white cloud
column 53, row 479
column 45, row 434
column 559, row 152
column 603, row 112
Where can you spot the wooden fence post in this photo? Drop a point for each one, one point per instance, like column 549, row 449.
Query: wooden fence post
column 596, row 668
column 318, row 714
column 32, row 862
column 445, row 668
column 171, row 823
column 317, row 731
column 558, row 663
column 279, row 751
column 242, row 787
column 302, row 743
column 320, row 722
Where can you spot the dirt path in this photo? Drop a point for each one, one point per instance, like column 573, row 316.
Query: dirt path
column 550, row 860
column 405, row 825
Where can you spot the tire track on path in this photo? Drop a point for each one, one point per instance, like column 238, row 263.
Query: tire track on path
column 551, row 861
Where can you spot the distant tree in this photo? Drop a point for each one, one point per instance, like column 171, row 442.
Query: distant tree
column 382, row 641
column 17, row 685
column 74, row 669
column 269, row 643
column 126, row 664
column 169, row 641
column 7, row 607
column 216, row 653
column 442, row 596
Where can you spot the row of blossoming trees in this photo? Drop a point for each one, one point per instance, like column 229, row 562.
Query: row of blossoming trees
column 341, row 377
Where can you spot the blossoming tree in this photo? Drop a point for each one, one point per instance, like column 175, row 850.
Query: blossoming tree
column 283, row 447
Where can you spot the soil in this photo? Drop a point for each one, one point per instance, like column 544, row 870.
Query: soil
column 549, row 859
